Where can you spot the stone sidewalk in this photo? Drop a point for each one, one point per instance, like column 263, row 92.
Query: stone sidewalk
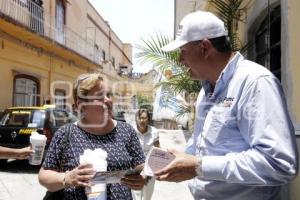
column 16, row 184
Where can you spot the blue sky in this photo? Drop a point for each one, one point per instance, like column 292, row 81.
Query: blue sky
column 135, row 19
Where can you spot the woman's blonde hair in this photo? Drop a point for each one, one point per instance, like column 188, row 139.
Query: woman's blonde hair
column 84, row 83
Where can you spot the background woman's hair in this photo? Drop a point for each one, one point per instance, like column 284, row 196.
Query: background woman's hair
column 141, row 111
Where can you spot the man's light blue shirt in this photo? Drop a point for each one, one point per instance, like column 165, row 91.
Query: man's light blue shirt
column 244, row 135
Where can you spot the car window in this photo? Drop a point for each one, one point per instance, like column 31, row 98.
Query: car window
column 61, row 117
column 37, row 118
column 4, row 118
column 23, row 118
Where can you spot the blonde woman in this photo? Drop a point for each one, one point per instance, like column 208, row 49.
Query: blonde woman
column 96, row 129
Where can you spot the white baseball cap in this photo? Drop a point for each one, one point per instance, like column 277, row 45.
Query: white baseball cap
column 197, row 26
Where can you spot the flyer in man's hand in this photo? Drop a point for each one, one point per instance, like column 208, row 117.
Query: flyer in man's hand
column 112, row 176
column 156, row 160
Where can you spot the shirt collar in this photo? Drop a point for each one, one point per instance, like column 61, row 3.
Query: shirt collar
column 224, row 77
column 230, row 68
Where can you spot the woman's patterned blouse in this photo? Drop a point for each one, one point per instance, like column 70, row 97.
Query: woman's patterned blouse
column 123, row 152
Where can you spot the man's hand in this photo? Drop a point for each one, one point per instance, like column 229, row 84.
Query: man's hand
column 182, row 168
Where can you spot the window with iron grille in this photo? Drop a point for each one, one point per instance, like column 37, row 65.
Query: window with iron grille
column 268, row 42
column 26, row 91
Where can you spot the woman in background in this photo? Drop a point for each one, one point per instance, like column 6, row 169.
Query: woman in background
column 148, row 136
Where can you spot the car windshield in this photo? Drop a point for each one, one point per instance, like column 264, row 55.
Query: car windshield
column 23, row 118
column 61, row 117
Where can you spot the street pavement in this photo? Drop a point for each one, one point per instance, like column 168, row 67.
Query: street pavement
column 172, row 139
column 18, row 180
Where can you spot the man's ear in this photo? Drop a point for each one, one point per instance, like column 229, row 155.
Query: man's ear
column 206, row 47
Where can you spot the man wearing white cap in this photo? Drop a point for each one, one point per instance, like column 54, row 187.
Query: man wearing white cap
column 243, row 146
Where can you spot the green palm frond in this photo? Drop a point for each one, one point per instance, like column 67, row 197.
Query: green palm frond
column 231, row 12
column 183, row 110
column 235, row 42
column 180, row 83
column 150, row 52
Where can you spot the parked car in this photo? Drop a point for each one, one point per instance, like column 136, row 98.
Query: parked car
column 17, row 123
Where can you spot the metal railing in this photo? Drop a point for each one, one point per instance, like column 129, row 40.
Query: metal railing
column 33, row 17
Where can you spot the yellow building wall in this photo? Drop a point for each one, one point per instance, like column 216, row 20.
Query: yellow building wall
column 76, row 16
column 5, row 87
column 294, row 77
column 108, row 40
column 49, row 10
column 128, row 51
column 99, row 33
column 16, row 59
column 294, row 58
column 50, row 61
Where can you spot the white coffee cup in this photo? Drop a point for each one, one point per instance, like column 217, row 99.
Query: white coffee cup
column 98, row 158
column 38, row 143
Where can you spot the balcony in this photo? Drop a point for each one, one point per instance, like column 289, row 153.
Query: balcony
column 27, row 14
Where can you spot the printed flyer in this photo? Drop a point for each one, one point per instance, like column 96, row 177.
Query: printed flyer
column 156, row 160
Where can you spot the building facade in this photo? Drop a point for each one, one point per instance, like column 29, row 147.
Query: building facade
column 45, row 44
column 272, row 30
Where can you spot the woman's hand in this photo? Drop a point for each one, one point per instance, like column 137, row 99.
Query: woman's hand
column 80, row 176
column 19, row 154
column 54, row 180
column 23, row 153
column 134, row 181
